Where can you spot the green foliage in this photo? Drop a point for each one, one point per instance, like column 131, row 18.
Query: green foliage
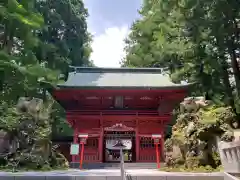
column 38, row 41
column 19, row 12
column 64, row 38
column 194, row 134
column 61, row 126
column 213, row 115
column 27, row 133
column 200, row 169
column 192, row 41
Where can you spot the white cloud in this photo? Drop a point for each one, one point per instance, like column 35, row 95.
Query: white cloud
column 108, row 48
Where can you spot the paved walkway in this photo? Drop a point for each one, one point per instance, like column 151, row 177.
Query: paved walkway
column 106, row 172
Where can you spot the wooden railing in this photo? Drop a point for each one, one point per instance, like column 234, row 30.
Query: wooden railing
column 147, row 158
column 147, row 155
column 89, row 157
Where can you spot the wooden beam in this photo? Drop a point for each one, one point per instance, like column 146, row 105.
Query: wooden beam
column 114, row 117
column 70, row 93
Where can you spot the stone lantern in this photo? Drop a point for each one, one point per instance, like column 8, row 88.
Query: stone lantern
column 119, row 145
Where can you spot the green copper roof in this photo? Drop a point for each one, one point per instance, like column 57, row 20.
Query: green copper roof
column 83, row 77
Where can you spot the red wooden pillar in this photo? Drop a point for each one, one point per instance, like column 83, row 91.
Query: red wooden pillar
column 100, row 145
column 162, row 144
column 75, row 141
column 82, row 154
column 83, row 141
column 137, row 139
column 157, row 155
column 157, row 139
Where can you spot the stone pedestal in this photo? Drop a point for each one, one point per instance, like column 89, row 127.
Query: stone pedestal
column 230, row 156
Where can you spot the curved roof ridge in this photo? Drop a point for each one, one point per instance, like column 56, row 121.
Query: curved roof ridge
column 90, row 77
column 80, row 69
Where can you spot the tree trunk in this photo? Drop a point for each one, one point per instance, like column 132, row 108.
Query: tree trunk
column 226, row 81
column 234, row 64
column 8, row 39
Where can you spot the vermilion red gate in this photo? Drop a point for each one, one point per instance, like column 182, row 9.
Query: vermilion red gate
column 99, row 100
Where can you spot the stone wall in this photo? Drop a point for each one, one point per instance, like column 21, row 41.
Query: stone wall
column 113, row 176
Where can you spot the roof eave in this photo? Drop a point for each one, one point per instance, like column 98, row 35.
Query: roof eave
column 177, row 87
column 48, row 86
column 104, row 70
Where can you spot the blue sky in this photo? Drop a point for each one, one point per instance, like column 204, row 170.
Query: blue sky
column 109, row 21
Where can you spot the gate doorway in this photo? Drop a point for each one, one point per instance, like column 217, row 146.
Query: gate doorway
column 111, row 154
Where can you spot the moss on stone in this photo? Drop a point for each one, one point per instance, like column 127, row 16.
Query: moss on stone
column 195, row 134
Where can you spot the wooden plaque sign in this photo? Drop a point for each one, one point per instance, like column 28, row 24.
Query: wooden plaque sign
column 156, row 136
column 74, row 149
column 83, row 135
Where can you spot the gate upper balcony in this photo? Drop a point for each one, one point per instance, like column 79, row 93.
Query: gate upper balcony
column 118, row 89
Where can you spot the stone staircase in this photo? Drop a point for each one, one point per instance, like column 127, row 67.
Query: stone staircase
column 116, row 165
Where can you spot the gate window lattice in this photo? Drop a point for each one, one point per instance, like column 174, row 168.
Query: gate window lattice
column 119, row 135
column 146, row 142
column 92, row 143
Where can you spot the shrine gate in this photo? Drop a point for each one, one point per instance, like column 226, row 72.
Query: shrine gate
column 107, row 104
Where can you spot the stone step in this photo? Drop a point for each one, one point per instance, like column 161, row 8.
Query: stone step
column 115, row 165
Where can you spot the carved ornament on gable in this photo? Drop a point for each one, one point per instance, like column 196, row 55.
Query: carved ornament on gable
column 119, row 127
column 146, row 98
column 92, row 97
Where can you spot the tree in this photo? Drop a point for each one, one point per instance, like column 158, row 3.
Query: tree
column 193, row 41
column 18, row 22
column 38, row 40
column 64, row 40
column 190, row 41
